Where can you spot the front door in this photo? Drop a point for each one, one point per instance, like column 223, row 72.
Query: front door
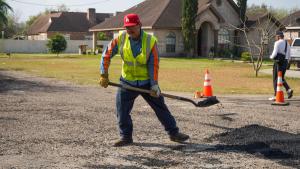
column 205, row 39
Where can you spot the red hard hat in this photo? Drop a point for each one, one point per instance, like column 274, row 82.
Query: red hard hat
column 131, row 20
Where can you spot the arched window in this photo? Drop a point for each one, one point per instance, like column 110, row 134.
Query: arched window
column 171, row 43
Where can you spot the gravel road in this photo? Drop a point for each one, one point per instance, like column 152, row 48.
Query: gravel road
column 46, row 123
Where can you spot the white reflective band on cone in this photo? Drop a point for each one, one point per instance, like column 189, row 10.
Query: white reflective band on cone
column 207, row 83
column 279, row 89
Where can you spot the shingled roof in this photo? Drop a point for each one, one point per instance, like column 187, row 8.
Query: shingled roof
column 253, row 19
column 155, row 14
column 292, row 20
column 64, row 22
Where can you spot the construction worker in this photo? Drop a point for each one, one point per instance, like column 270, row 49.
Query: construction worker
column 139, row 53
column 281, row 56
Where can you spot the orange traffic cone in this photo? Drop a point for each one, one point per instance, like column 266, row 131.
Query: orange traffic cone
column 207, row 90
column 279, row 92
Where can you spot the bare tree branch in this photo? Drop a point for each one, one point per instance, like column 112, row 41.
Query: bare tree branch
column 264, row 27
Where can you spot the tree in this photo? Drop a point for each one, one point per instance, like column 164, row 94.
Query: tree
column 4, row 9
column 62, row 8
column 278, row 13
column 189, row 14
column 242, row 4
column 102, row 36
column 253, row 9
column 265, row 27
column 14, row 28
column 57, row 44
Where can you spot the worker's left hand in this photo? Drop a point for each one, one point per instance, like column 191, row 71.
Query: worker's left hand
column 155, row 91
column 103, row 81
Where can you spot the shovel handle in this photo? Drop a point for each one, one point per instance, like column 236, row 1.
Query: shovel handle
column 124, row 86
column 148, row 91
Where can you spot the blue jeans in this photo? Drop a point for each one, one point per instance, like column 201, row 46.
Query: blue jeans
column 125, row 100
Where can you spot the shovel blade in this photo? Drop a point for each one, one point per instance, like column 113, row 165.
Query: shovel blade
column 208, row 102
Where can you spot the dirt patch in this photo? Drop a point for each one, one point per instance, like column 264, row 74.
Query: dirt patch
column 45, row 123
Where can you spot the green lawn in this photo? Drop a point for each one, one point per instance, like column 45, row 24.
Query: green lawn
column 175, row 74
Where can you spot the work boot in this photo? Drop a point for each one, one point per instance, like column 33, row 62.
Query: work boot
column 123, row 142
column 179, row 137
column 290, row 93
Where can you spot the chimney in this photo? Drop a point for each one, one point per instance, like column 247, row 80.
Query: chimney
column 91, row 16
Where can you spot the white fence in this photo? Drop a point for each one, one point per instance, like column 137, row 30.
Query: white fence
column 39, row 46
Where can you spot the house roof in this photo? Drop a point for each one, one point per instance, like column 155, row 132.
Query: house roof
column 152, row 13
column 253, row 19
column 155, row 14
column 292, row 20
column 64, row 22
column 205, row 5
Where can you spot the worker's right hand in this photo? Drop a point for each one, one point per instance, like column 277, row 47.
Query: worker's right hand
column 104, row 80
column 155, row 91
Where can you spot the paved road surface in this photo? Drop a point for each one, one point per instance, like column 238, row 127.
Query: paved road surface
column 45, row 123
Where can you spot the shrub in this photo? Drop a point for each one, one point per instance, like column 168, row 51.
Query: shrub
column 246, row 56
column 57, row 44
column 224, row 53
column 102, row 36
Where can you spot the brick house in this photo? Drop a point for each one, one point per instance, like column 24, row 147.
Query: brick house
column 73, row 25
column 261, row 23
column 162, row 18
column 292, row 24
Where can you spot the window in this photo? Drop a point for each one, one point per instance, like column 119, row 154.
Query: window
column 223, row 49
column 88, row 37
column 67, row 36
column 219, row 2
column 171, row 43
column 223, row 37
column 298, row 21
column 296, row 42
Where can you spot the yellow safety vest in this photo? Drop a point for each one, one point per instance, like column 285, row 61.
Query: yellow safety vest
column 135, row 68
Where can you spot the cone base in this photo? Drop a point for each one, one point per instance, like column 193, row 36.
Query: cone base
column 280, row 103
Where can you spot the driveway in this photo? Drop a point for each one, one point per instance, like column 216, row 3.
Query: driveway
column 46, row 123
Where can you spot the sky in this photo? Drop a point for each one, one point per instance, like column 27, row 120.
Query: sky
column 25, row 8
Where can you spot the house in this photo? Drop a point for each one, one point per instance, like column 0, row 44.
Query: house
column 162, row 18
column 217, row 24
column 261, row 28
column 292, row 24
column 73, row 25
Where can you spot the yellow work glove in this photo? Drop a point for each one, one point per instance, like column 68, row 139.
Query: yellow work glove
column 155, row 91
column 104, row 80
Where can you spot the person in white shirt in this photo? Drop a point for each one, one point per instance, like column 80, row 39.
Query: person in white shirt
column 281, row 56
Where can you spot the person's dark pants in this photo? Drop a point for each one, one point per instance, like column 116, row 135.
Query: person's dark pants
column 125, row 100
column 279, row 67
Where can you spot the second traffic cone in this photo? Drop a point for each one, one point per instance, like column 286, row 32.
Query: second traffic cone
column 198, row 94
column 207, row 89
column 279, row 92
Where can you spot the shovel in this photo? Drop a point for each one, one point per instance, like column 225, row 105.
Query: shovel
column 204, row 103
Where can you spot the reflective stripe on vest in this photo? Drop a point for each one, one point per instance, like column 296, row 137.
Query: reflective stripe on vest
column 135, row 68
